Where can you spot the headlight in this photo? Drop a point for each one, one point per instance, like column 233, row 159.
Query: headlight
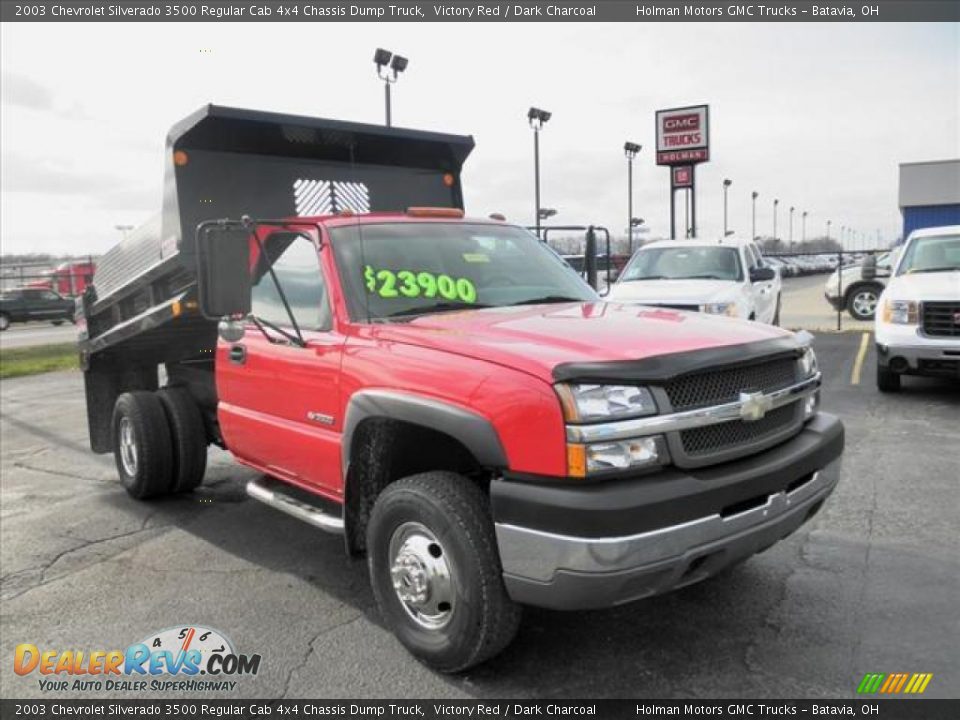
column 808, row 364
column 900, row 312
column 633, row 454
column 587, row 403
column 728, row 308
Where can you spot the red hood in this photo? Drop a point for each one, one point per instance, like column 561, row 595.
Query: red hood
column 535, row 339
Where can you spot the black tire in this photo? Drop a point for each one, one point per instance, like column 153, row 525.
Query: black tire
column 483, row 620
column 188, row 437
column 855, row 301
column 776, row 313
column 887, row 380
column 151, row 472
column 57, row 322
column 4, row 321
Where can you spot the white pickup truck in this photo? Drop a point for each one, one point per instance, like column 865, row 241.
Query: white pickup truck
column 726, row 277
column 917, row 325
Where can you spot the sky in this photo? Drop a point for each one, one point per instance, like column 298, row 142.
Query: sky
column 818, row 115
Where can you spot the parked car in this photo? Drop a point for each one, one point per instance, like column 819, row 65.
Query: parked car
column 851, row 292
column 917, row 326
column 26, row 304
column 721, row 278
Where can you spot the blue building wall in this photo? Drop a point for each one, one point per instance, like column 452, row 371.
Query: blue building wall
column 924, row 216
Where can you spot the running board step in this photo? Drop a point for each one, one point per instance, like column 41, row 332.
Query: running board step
column 292, row 506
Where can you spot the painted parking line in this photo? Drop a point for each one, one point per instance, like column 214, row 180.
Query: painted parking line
column 858, row 363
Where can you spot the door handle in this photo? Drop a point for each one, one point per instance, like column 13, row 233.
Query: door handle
column 238, row 354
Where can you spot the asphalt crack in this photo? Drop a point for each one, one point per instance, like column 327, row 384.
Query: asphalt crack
column 308, row 653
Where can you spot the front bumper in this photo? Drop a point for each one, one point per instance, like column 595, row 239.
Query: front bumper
column 576, row 549
column 939, row 360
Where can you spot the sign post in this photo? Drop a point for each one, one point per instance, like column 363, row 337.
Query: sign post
column 683, row 141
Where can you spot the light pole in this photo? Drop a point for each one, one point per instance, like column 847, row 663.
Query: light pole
column 546, row 213
column 828, row 229
column 790, row 234
column 803, row 226
column 389, row 67
column 630, row 150
column 843, row 236
column 124, row 229
column 753, row 223
column 727, row 182
column 775, row 203
column 537, row 117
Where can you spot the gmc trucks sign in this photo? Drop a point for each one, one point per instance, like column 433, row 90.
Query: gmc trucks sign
column 683, row 135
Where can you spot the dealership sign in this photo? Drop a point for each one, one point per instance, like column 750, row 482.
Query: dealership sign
column 683, row 135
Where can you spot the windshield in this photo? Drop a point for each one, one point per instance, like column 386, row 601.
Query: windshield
column 397, row 270
column 935, row 253
column 684, row 263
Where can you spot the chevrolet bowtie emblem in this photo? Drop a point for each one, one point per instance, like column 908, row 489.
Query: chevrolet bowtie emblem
column 753, row 406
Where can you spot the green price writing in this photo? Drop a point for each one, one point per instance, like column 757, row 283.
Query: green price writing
column 410, row 284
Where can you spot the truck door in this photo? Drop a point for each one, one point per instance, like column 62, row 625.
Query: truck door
column 279, row 403
column 763, row 299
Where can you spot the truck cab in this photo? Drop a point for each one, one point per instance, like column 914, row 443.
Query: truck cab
column 449, row 397
column 721, row 277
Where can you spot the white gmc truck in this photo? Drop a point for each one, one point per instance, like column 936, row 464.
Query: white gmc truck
column 720, row 277
column 917, row 325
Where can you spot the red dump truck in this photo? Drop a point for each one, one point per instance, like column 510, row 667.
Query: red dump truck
column 443, row 392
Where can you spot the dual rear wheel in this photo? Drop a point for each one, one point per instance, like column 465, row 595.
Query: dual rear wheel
column 159, row 442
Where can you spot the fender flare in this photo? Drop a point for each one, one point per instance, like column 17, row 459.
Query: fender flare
column 474, row 431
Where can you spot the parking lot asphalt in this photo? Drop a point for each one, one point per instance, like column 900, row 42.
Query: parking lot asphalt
column 869, row 585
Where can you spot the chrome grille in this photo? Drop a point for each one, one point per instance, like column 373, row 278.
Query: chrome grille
column 713, row 439
column 941, row 319
column 717, row 387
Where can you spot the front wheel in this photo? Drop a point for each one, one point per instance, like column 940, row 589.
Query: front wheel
column 435, row 571
column 887, row 380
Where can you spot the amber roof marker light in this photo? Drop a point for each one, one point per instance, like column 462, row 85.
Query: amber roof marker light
column 435, row 212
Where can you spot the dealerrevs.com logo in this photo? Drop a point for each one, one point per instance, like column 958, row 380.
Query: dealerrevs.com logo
column 187, row 658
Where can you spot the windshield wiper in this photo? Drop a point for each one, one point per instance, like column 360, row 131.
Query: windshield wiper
column 439, row 307
column 942, row 268
column 262, row 326
column 548, row 299
column 705, row 277
column 646, row 277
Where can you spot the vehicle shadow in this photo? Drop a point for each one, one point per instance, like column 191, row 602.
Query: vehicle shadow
column 649, row 648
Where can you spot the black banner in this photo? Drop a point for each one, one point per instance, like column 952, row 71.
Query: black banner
column 477, row 11
column 494, row 708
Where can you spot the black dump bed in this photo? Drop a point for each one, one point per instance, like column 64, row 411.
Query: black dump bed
column 225, row 162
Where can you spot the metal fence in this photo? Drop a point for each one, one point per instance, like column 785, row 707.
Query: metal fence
column 67, row 277
column 843, row 263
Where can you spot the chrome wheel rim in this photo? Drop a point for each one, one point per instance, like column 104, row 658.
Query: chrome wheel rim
column 128, row 447
column 4, row 322
column 865, row 303
column 422, row 576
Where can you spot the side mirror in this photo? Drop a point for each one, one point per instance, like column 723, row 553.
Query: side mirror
column 223, row 270
column 762, row 274
column 868, row 271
